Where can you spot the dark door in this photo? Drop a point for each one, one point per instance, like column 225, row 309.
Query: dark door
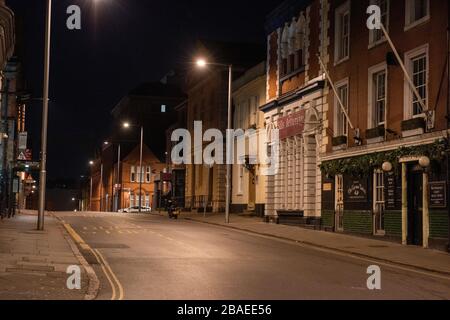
column 415, row 198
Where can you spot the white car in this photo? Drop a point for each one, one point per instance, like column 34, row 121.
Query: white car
column 136, row 210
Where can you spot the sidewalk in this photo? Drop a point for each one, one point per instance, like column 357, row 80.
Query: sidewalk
column 33, row 264
column 413, row 257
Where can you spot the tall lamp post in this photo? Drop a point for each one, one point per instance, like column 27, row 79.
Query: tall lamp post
column 91, row 163
column 43, row 167
column 202, row 63
column 127, row 125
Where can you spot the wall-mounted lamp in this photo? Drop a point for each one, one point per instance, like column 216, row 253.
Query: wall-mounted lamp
column 387, row 166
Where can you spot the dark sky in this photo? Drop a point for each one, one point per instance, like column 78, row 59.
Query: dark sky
column 122, row 43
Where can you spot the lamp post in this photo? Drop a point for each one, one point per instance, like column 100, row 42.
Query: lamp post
column 127, row 125
column 202, row 63
column 91, row 163
column 43, row 167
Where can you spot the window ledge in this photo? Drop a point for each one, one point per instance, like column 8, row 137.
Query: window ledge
column 342, row 61
column 417, row 23
column 292, row 74
column 377, row 43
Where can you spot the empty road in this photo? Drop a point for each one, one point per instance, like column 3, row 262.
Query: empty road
column 152, row 257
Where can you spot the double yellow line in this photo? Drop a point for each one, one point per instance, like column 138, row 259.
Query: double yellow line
column 116, row 286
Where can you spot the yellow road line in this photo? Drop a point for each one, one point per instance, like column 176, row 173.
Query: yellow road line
column 102, row 262
column 119, row 285
column 111, row 283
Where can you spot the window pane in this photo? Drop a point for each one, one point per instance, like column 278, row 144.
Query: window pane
column 419, row 77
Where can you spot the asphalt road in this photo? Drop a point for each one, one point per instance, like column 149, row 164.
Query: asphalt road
column 152, row 257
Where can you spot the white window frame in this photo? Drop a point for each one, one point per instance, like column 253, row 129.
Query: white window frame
column 409, row 6
column 148, row 174
column 372, row 33
column 132, row 199
column 337, row 108
column 341, row 11
column 240, row 191
column 378, row 198
column 372, row 94
column 133, row 174
column 408, row 92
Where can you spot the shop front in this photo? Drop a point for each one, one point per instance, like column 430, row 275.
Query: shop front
column 399, row 195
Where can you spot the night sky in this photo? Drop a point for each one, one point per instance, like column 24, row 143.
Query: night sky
column 122, row 43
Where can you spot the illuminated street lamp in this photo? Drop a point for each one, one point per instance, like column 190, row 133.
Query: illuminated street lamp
column 44, row 131
column 202, row 63
column 127, row 125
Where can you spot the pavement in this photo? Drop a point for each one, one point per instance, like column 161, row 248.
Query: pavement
column 380, row 250
column 33, row 264
column 149, row 257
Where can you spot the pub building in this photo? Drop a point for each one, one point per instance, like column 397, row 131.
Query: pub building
column 375, row 105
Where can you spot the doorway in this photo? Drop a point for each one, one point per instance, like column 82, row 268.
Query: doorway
column 415, row 206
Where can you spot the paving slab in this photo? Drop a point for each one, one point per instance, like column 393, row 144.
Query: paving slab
column 33, row 264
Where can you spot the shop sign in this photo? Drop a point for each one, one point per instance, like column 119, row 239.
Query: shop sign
column 391, row 191
column 292, row 125
column 438, row 194
column 356, row 191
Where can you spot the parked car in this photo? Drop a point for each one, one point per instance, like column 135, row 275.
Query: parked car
column 136, row 210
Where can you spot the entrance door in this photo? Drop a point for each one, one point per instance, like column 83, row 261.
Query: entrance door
column 415, row 199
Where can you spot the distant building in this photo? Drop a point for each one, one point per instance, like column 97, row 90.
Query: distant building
column 116, row 186
column 249, row 186
column 207, row 92
column 178, row 172
column 151, row 105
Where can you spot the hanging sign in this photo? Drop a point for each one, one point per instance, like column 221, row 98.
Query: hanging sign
column 292, row 125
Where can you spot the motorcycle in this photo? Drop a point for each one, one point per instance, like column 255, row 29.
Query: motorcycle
column 173, row 211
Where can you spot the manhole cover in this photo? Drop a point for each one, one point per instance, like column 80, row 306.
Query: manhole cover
column 109, row 246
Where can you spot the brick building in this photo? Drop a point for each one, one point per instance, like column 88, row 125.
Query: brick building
column 116, row 186
column 207, row 92
column 379, row 122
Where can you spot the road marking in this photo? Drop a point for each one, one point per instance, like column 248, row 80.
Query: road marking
column 102, row 262
column 111, row 283
column 119, row 285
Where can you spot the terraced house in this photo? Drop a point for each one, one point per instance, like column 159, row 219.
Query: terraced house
column 372, row 109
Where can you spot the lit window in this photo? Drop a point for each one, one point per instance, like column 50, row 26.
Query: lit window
column 163, row 108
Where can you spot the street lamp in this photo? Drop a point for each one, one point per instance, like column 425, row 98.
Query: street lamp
column 44, row 131
column 43, row 171
column 127, row 125
column 202, row 63
column 91, row 163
